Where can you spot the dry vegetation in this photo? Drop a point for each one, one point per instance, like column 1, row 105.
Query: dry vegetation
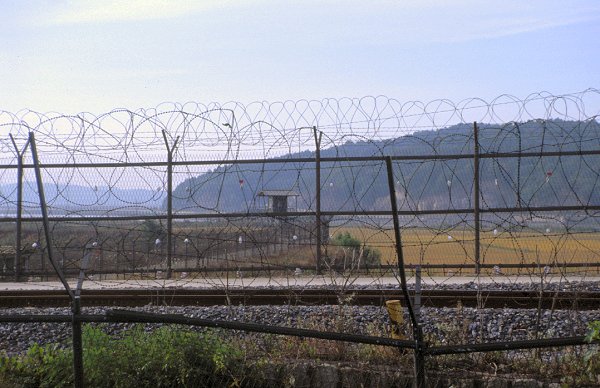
column 426, row 246
column 125, row 244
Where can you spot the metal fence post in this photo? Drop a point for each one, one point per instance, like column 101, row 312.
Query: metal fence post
column 75, row 304
column 45, row 221
column 519, row 153
column 476, row 195
column 418, row 292
column 19, row 232
column 77, row 343
column 169, row 201
column 318, row 195
column 420, row 345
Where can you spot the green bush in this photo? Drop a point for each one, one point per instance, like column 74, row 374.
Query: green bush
column 166, row 357
column 349, row 247
column 592, row 357
column 152, row 230
column 41, row 366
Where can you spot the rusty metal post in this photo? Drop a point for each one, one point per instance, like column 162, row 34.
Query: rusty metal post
column 75, row 301
column 19, row 232
column 89, row 252
column 45, row 221
column 77, row 343
column 476, row 195
column 419, row 356
column 418, row 292
column 318, row 137
column 169, row 202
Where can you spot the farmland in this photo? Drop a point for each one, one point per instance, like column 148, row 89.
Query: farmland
column 199, row 246
column 457, row 246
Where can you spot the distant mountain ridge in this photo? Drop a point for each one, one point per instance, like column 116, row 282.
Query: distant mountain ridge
column 78, row 197
column 420, row 185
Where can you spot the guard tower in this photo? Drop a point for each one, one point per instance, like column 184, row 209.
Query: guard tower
column 278, row 201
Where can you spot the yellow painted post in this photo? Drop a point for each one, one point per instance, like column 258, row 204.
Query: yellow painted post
column 394, row 309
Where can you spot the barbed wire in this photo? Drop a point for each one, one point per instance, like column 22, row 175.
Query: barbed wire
column 244, row 198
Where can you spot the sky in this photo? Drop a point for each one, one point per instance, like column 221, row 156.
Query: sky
column 96, row 56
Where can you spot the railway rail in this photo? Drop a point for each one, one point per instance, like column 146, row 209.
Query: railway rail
column 206, row 297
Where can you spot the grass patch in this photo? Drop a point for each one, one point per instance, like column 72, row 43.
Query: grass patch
column 166, row 357
column 176, row 356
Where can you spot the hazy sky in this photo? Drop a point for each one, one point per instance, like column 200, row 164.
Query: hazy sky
column 72, row 56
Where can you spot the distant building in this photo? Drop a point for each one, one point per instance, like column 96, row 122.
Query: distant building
column 278, row 201
column 299, row 229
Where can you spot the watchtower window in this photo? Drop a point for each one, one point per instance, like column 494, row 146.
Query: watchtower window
column 280, row 204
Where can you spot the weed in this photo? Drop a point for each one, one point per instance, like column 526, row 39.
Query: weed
column 166, row 357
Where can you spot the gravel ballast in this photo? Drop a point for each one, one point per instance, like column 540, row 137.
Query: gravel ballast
column 440, row 325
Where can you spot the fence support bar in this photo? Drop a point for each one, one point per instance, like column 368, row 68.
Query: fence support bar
column 417, row 331
column 45, row 221
column 417, row 296
column 318, row 137
column 476, row 195
column 19, row 248
column 170, row 150
column 142, row 317
column 509, row 345
column 77, row 343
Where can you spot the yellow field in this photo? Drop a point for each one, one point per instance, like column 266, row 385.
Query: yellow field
column 423, row 246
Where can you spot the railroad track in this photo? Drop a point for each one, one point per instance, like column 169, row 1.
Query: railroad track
column 208, row 297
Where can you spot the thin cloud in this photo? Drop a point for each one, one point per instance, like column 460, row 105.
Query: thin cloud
column 497, row 28
column 91, row 11
column 129, row 74
column 468, row 21
column 431, row 21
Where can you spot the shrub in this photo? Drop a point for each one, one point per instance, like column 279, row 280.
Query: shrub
column 592, row 357
column 350, row 251
column 152, row 230
column 166, row 357
column 41, row 366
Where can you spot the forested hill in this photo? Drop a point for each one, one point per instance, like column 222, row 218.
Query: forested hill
column 420, row 184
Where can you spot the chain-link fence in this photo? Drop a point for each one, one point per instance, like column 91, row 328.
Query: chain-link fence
column 341, row 195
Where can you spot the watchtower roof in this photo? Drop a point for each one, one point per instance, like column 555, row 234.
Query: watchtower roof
column 278, row 193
